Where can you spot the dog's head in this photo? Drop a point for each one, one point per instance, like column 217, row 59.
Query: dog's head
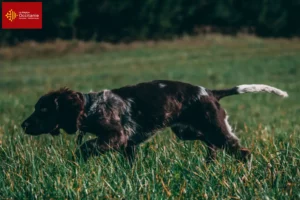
column 58, row 109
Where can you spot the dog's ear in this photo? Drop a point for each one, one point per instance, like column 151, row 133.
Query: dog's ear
column 70, row 106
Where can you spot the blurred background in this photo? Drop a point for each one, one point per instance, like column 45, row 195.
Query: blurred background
column 128, row 20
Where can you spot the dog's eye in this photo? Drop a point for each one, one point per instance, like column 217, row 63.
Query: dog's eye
column 44, row 110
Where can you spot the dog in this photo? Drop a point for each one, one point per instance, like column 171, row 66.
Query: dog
column 125, row 117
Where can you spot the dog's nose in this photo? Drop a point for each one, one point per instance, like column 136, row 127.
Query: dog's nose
column 24, row 125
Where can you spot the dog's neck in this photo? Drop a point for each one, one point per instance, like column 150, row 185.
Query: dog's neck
column 87, row 101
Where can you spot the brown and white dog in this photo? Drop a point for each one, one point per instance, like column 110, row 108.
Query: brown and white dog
column 125, row 117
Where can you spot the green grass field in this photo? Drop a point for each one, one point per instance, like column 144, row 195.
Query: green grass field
column 42, row 167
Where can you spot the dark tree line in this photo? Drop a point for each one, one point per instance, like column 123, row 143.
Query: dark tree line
column 126, row 20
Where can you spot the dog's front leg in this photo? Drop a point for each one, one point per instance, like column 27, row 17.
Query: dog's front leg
column 90, row 148
column 129, row 153
column 99, row 146
column 79, row 137
column 211, row 153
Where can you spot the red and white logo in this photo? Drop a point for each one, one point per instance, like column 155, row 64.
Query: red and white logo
column 21, row 15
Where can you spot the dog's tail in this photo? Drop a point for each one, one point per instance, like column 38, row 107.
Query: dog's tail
column 219, row 94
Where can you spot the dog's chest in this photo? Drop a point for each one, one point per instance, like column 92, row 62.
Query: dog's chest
column 106, row 111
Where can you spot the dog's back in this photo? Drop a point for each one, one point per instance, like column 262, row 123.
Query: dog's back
column 159, row 103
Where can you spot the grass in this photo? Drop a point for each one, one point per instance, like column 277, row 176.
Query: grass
column 42, row 167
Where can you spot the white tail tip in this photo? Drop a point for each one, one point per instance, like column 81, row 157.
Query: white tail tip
column 261, row 88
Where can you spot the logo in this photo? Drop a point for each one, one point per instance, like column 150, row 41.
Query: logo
column 11, row 15
column 21, row 15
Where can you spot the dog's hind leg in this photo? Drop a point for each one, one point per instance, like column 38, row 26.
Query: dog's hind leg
column 220, row 134
column 185, row 132
column 208, row 117
column 234, row 147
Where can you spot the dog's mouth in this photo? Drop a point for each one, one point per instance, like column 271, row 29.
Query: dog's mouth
column 55, row 131
column 34, row 131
